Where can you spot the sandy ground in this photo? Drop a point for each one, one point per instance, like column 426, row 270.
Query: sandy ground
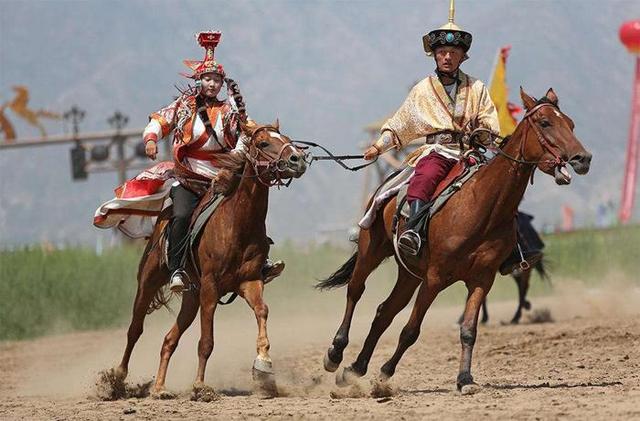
column 584, row 365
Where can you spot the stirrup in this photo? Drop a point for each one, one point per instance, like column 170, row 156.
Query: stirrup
column 176, row 284
column 272, row 270
column 410, row 242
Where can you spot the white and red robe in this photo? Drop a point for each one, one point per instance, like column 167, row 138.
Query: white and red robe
column 141, row 199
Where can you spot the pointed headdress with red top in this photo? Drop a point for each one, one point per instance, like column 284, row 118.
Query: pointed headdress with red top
column 209, row 41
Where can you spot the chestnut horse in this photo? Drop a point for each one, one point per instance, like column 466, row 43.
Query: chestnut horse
column 230, row 255
column 468, row 239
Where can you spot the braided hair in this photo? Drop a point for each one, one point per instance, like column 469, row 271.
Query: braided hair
column 233, row 91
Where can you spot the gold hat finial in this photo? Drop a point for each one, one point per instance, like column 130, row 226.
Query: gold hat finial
column 452, row 11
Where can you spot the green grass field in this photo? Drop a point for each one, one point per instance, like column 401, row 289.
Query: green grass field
column 74, row 289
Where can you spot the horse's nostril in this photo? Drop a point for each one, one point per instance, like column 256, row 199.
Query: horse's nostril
column 581, row 158
column 294, row 158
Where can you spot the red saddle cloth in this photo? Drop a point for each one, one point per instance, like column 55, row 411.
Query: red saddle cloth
column 456, row 171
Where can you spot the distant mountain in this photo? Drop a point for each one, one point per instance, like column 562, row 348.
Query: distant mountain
column 325, row 69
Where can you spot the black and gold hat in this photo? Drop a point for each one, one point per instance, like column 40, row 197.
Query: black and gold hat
column 448, row 34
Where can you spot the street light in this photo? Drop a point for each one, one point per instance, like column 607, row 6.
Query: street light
column 118, row 121
column 78, row 154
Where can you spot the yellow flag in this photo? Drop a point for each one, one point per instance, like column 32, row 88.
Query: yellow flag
column 499, row 93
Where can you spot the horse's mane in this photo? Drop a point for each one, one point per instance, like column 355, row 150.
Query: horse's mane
column 230, row 166
column 545, row 100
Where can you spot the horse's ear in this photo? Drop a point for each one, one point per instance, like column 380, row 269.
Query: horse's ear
column 248, row 127
column 276, row 125
column 527, row 101
column 551, row 96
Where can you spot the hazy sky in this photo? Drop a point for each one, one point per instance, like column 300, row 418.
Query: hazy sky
column 325, row 69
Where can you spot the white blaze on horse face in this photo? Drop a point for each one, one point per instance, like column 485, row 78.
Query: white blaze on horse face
column 276, row 135
column 557, row 113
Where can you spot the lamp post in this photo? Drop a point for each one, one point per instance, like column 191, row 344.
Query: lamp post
column 630, row 37
column 118, row 121
column 78, row 153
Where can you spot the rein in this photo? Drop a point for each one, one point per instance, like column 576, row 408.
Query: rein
column 336, row 158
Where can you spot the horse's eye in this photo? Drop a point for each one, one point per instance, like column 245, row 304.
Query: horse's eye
column 545, row 123
column 263, row 144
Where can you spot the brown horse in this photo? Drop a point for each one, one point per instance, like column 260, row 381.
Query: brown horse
column 230, row 255
column 467, row 240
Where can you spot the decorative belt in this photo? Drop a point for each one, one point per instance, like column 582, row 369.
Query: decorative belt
column 444, row 138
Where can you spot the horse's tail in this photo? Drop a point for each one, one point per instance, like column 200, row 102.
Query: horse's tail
column 341, row 276
column 161, row 297
column 540, row 267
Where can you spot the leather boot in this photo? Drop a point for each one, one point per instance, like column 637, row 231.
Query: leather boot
column 410, row 241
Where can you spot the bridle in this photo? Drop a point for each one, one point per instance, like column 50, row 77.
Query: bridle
column 265, row 164
column 543, row 140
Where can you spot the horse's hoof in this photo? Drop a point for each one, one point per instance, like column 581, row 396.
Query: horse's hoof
column 469, row 389
column 163, row 395
column 120, row 373
column 203, row 393
column 263, row 365
column 329, row 365
column 347, row 377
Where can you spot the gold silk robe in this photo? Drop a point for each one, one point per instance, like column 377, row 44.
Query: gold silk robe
column 429, row 110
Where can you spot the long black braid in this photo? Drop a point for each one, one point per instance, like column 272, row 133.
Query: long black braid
column 234, row 90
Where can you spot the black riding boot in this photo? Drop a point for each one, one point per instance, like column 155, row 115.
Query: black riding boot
column 410, row 241
column 184, row 202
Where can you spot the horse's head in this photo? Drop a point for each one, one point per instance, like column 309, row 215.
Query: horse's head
column 550, row 140
column 272, row 155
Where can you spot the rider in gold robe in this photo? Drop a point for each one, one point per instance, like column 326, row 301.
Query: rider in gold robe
column 442, row 109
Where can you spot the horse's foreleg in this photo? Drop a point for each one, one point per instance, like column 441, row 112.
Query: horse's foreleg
column 146, row 290
column 364, row 266
column 208, row 301
column 411, row 330
column 262, row 366
column 188, row 311
column 397, row 300
column 369, row 258
column 469, row 329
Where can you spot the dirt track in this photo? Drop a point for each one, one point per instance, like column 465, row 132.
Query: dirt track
column 584, row 365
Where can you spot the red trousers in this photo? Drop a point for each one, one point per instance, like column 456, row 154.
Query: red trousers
column 430, row 171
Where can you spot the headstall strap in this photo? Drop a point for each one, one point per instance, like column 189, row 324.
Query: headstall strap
column 269, row 165
column 546, row 145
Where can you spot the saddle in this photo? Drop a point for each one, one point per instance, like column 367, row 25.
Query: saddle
column 201, row 214
column 459, row 174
